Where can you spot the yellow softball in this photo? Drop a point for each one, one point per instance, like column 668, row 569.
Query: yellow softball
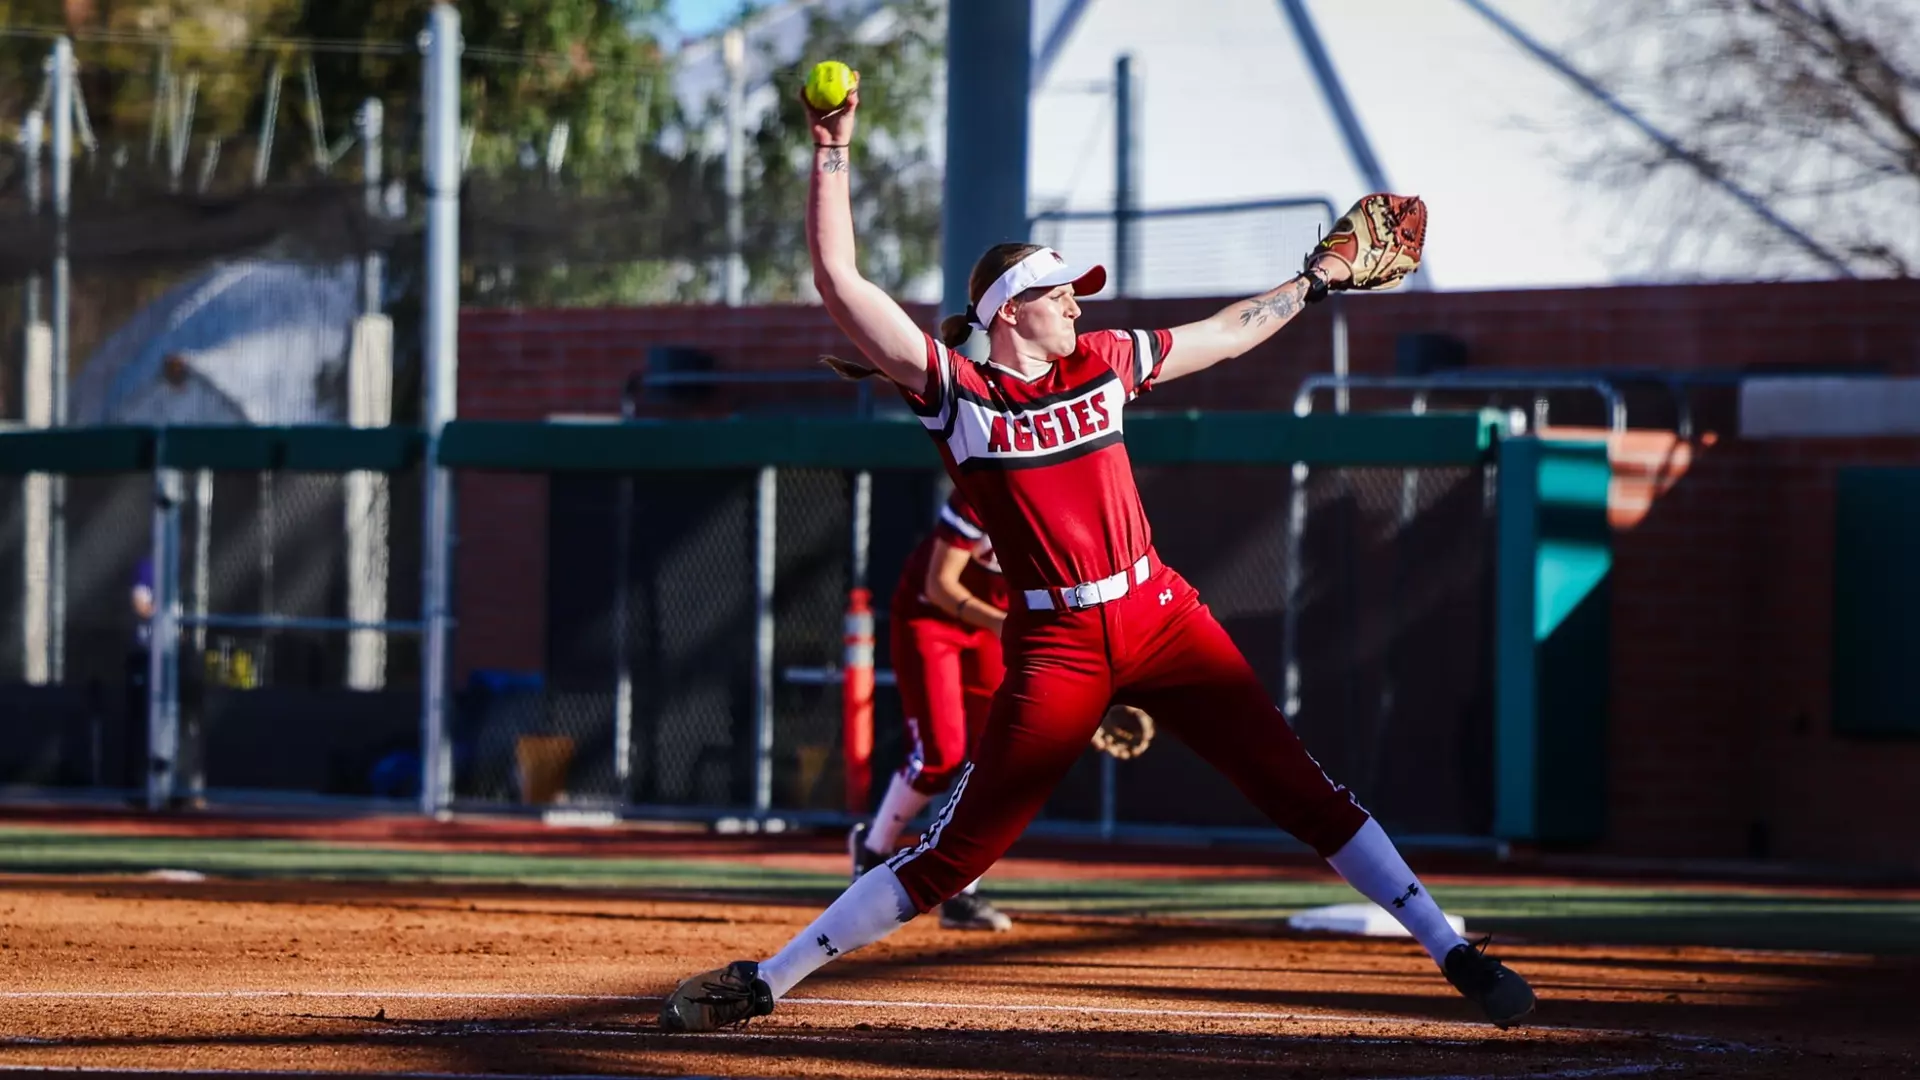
column 829, row 84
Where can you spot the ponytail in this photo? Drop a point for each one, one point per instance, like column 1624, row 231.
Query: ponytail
column 955, row 330
column 848, row 369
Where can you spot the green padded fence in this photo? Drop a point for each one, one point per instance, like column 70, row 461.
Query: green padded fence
column 1550, row 617
column 1182, row 439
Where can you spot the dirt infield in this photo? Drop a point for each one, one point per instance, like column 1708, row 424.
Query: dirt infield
column 363, row 978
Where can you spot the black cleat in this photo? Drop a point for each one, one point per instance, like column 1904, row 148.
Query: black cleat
column 862, row 859
column 1504, row 996
column 971, row 911
column 712, row 1000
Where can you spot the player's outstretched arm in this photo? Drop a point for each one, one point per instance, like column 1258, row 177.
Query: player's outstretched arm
column 1239, row 327
column 864, row 311
column 944, row 589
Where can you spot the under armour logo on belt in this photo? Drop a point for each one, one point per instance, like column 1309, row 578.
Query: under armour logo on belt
column 1166, row 597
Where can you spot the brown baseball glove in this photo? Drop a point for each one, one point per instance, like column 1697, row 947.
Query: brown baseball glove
column 1125, row 733
column 1379, row 240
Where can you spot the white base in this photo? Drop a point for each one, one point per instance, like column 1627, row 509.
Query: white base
column 1366, row 920
column 580, row 819
column 176, row 875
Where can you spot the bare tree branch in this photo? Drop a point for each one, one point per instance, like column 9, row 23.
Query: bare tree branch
column 1810, row 106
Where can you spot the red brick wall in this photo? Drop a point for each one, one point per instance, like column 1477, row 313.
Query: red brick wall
column 1722, row 595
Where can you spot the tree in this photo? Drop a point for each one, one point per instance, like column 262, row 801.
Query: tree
column 123, row 48
column 897, row 180
column 1809, row 108
column 528, row 66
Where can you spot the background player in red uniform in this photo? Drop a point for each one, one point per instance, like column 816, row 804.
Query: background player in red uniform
column 1033, row 434
column 946, row 616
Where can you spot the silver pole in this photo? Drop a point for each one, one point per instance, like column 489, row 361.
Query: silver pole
column 162, row 95
column 1340, row 360
column 734, row 48
column 622, row 641
column 1125, row 176
column 63, row 83
column 371, row 121
column 441, row 325
column 765, row 504
column 36, row 410
column 32, row 139
column 622, row 616
column 269, row 120
column 163, row 644
column 862, row 528
column 202, row 551
column 368, row 503
column 1295, row 574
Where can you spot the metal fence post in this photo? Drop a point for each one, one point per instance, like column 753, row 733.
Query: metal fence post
column 765, row 506
column 623, row 613
column 1126, row 216
column 856, row 687
column 733, row 44
column 369, row 404
column 62, row 87
column 36, row 393
column 442, row 89
column 163, row 641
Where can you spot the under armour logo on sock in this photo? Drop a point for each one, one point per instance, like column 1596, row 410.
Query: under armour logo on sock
column 1166, row 597
column 1400, row 901
column 827, row 943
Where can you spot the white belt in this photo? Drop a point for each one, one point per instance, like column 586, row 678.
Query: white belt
column 1090, row 593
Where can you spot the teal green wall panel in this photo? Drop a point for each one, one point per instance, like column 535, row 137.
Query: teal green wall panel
column 1553, row 641
column 1876, row 602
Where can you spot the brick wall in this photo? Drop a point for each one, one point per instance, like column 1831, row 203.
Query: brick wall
column 1720, row 730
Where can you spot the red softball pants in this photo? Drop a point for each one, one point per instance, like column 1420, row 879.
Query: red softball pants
column 947, row 673
column 1157, row 648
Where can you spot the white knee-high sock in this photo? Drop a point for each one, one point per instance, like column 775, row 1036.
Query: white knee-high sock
column 869, row 910
column 1371, row 864
column 898, row 806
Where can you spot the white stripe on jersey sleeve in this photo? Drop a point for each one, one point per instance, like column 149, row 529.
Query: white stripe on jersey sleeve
column 1142, row 360
column 943, row 374
column 959, row 524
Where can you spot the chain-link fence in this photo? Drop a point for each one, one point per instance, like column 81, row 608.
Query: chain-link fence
column 1224, row 249
column 1388, row 572
column 274, row 692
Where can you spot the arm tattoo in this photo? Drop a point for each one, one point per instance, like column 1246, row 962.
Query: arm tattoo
column 1282, row 305
column 834, row 162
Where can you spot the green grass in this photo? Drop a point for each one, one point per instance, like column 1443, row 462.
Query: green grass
column 1638, row 915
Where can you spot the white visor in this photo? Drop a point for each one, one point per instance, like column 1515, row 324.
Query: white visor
column 1043, row 268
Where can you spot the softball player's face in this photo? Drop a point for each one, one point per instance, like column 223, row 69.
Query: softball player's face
column 1047, row 320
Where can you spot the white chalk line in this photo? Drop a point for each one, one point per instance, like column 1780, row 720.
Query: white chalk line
column 1704, row 1042
column 290, row 1074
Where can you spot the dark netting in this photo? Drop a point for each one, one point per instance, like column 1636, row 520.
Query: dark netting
column 310, row 711
column 1392, row 639
column 812, row 559
column 319, row 711
column 679, row 604
column 74, row 674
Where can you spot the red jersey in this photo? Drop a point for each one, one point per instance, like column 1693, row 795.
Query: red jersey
column 959, row 526
column 1043, row 460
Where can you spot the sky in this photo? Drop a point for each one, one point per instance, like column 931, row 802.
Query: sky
column 696, row 18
